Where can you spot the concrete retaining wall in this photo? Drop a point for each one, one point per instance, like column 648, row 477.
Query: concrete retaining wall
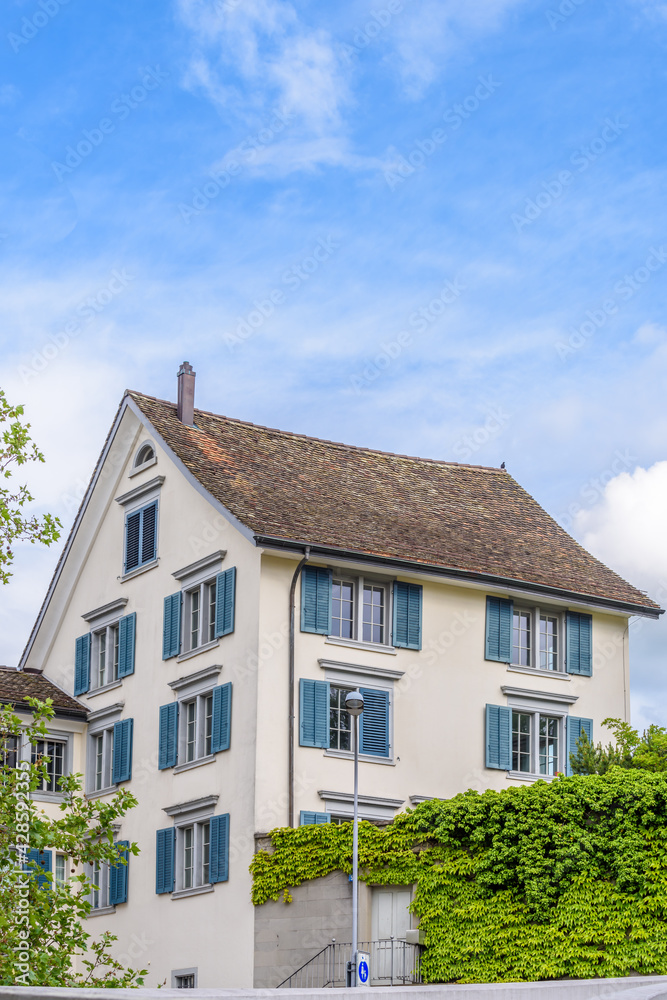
column 632, row 988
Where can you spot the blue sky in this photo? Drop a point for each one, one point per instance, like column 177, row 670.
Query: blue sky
column 430, row 227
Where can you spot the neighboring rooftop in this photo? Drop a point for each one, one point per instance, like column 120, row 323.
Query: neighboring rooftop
column 467, row 519
column 15, row 685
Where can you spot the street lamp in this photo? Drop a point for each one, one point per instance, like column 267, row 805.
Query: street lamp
column 354, row 705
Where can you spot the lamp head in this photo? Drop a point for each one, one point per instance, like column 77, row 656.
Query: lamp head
column 354, row 702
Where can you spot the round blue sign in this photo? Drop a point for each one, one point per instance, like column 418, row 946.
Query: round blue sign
column 363, row 971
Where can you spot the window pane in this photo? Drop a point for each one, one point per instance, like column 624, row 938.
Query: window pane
column 99, row 762
column 208, row 724
column 190, row 730
column 373, row 614
column 340, row 726
column 188, row 857
column 521, row 723
column 548, row 642
column 9, row 751
column 194, row 619
column 60, row 874
column 211, row 611
column 521, row 639
column 97, row 885
column 548, row 744
column 205, row 852
column 102, row 658
column 114, row 630
column 54, row 765
column 342, row 609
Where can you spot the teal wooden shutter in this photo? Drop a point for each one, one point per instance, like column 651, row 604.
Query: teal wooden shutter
column 164, row 860
column 122, row 751
column 225, row 602
column 171, row 630
column 127, row 627
column 149, row 533
column 168, row 738
column 407, row 615
column 499, row 621
column 313, row 713
column 132, row 540
column 82, row 664
column 579, row 644
column 499, row 737
column 374, row 723
column 574, row 727
column 316, row 600
column 221, row 723
column 219, row 863
column 40, row 864
column 118, row 875
column 313, row 818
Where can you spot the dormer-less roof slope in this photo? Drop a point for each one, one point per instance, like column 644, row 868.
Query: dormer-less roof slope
column 16, row 685
column 469, row 520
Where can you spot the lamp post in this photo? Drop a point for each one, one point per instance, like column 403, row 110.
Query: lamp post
column 354, row 704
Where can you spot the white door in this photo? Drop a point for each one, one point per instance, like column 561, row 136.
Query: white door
column 390, row 918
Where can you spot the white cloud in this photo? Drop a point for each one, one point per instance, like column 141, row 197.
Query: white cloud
column 626, row 529
column 258, row 56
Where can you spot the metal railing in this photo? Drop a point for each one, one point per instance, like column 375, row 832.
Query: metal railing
column 393, row 962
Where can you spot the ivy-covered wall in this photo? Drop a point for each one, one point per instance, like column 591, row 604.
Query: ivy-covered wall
column 567, row 878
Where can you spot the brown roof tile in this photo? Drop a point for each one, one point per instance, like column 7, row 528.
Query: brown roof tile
column 465, row 518
column 15, row 685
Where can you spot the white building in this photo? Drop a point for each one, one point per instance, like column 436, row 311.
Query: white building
column 483, row 636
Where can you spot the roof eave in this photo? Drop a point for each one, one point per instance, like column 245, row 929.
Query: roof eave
column 450, row 572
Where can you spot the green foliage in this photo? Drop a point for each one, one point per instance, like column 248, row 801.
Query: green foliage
column 41, row 928
column 630, row 750
column 17, row 448
column 544, row 881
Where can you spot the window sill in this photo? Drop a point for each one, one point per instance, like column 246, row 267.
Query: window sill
column 142, row 468
column 372, row 647
column 560, row 675
column 48, row 796
column 364, row 758
column 102, row 911
column 198, row 890
column 528, row 776
column 198, row 649
column 102, row 791
column 194, row 763
column 105, row 687
column 138, row 571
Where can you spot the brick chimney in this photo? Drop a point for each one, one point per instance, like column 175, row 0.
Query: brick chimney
column 186, row 394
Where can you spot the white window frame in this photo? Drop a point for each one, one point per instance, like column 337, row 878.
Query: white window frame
column 26, row 750
column 110, row 632
column 179, row 974
column 132, row 501
column 536, row 612
column 100, row 724
column 203, row 592
column 196, row 687
column 201, row 724
column 102, row 871
column 352, row 676
column 60, row 861
column 197, row 830
column 139, row 466
column 358, row 583
column 535, row 716
column 539, row 703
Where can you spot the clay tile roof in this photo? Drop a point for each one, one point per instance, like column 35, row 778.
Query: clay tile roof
column 469, row 519
column 16, row 684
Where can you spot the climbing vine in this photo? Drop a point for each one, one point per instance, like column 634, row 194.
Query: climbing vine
column 567, row 878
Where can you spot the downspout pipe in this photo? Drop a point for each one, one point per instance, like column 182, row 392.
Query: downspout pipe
column 290, row 790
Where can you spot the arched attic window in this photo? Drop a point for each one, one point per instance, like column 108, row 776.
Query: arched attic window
column 144, row 457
